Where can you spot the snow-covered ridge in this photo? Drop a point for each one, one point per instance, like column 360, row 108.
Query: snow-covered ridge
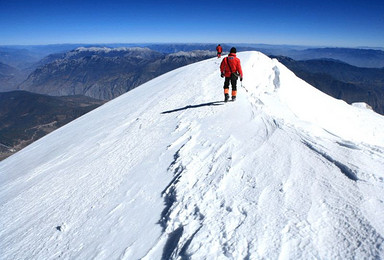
column 362, row 105
column 286, row 96
column 168, row 171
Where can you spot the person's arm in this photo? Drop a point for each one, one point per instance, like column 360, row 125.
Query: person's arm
column 222, row 67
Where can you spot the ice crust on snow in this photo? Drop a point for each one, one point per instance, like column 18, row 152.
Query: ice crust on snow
column 168, row 171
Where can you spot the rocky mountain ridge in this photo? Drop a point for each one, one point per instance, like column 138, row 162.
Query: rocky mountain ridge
column 104, row 73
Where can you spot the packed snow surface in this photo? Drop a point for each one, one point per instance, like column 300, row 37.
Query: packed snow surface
column 362, row 105
column 168, row 171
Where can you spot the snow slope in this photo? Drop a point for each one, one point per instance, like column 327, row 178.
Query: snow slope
column 168, row 171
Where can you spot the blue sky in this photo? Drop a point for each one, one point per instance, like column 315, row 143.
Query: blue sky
column 317, row 23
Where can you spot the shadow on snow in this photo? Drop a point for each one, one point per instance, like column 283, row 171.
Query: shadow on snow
column 215, row 103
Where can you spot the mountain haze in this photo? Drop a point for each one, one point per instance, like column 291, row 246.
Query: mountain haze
column 362, row 57
column 168, row 171
column 10, row 77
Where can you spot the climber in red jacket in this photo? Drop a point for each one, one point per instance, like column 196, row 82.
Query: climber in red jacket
column 231, row 69
column 219, row 50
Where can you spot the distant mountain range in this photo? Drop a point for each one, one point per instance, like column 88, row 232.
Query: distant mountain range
column 26, row 56
column 24, row 60
column 341, row 80
column 365, row 58
column 360, row 57
column 104, row 73
column 25, row 117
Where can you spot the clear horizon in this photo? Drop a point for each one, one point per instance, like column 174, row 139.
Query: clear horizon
column 317, row 23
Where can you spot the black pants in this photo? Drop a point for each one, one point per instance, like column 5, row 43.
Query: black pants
column 233, row 81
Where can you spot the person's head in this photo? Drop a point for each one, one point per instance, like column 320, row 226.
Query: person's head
column 233, row 50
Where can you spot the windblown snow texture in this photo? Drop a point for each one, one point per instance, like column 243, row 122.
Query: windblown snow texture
column 168, row 171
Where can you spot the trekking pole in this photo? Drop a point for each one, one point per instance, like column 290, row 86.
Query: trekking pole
column 246, row 90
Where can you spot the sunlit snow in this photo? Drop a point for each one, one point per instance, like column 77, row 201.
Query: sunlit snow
column 168, row 171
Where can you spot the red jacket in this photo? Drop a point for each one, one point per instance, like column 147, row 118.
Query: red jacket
column 234, row 65
column 219, row 49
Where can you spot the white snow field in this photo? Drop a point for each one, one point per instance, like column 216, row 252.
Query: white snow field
column 168, row 171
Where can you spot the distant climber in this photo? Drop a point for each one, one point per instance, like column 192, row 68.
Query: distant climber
column 231, row 69
column 219, row 50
